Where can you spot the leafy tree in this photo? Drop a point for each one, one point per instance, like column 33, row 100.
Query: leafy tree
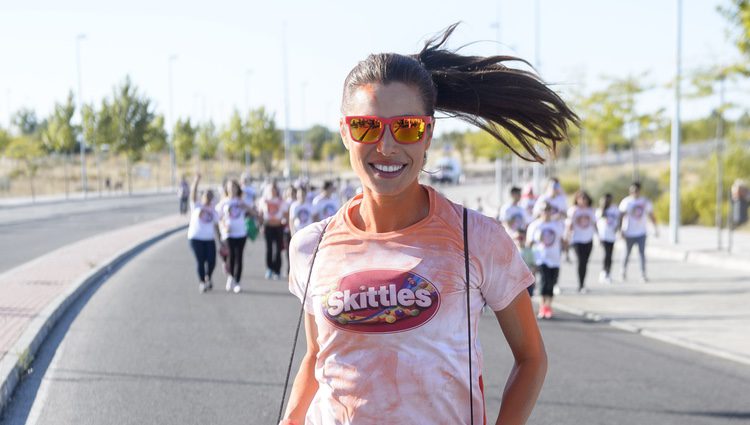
column 184, row 140
column 26, row 122
column 738, row 14
column 265, row 139
column 333, row 147
column 156, row 136
column 27, row 150
column 235, row 137
column 317, row 136
column 61, row 135
column 207, row 141
column 4, row 140
column 127, row 121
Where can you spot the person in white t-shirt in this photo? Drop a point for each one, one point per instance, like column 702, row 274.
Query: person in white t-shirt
column 608, row 218
column 546, row 236
column 390, row 311
column 300, row 212
column 635, row 212
column 513, row 215
column 232, row 211
column 581, row 228
column 202, row 231
column 326, row 203
column 555, row 198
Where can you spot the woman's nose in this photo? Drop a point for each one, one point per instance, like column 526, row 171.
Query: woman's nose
column 387, row 145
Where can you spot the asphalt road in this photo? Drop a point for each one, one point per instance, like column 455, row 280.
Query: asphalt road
column 147, row 348
column 27, row 232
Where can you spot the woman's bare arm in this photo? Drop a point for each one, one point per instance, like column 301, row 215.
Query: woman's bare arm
column 305, row 385
column 527, row 376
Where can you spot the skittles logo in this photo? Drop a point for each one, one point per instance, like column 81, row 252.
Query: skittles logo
column 381, row 301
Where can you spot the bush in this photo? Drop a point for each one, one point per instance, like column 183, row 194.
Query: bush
column 619, row 187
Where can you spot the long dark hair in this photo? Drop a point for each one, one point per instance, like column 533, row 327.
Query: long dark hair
column 507, row 103
column 605, row 203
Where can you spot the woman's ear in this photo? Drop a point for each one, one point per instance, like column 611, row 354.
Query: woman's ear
column 344, row 133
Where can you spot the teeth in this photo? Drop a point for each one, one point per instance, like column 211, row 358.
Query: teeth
column 388, row 168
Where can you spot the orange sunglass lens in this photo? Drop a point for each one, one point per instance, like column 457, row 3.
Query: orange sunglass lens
column 365, row 130
column 408, row 130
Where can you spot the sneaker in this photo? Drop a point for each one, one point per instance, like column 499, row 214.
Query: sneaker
column 556, row 290
column 269, row 274
column 623, row 277
column 542, row 312
column 275, row 276
column 602, row 277
column 608, row 280
column 230, row 283
column 236, row 288
column 644, row 279
column 202, row 287
column 548, row 313
column 582, row 290
column 209, row 285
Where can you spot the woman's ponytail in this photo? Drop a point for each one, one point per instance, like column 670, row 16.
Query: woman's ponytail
column 491, row 96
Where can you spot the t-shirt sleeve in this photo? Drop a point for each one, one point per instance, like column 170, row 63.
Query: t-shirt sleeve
column 624, row 204
column 501, row 270
column 301, row 250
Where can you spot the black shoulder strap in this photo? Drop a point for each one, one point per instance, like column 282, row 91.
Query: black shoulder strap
column 299, row 322
column 468, row 312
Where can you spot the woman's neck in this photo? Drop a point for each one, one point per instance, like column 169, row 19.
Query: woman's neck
column 378, row 213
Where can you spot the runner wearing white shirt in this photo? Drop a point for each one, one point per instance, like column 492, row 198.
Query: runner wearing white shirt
column 202, row 230
column 581, row 227
column 300, row 212
column 513, row 215
column 232, row 212
column 636, row 210
column 555, row 198
column 326, row 204
column 545, row 236
column 608, row 218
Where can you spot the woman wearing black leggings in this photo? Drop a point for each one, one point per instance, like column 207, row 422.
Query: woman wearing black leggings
column 608, row 217
column 581, row 230
column 274, row 219
column 232, row 222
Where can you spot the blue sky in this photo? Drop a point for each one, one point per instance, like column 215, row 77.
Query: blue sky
column 217, row 42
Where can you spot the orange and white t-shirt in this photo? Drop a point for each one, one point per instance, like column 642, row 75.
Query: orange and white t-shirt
column 390, row 311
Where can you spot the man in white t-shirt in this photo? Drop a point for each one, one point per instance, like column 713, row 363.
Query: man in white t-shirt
column 555, row 197
column 327, row 203
column 513, row 215
column 300, row 212
column 635, row 210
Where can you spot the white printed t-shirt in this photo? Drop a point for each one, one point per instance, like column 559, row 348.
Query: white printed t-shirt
column 636, row 212
column 202, row 220
column 607, row 223
column 390, row 311
column 301, row 214
column 559, row 205
column 232, row 218
column 514, row 217
column 582, row 224
column 545, row 238
column 325, row 207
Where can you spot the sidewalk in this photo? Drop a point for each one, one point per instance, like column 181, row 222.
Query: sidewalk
column 92, row 195
column 35, row 294
column 697, row 298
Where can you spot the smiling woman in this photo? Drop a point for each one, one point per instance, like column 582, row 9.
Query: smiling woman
column 393, row 285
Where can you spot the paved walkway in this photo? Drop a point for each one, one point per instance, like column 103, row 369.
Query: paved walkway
column 31, row 292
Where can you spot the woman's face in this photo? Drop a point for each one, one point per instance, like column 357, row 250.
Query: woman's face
column 386, row 100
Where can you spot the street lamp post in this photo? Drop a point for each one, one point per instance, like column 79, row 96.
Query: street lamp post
column 172, row 159
column 287, row 135
column 720, row 162
column 536, row 171
column 79, row 38
column 674, row 172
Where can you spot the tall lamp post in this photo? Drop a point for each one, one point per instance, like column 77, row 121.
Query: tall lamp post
column 287, row 135
column 674, row 172
column 172, row 159
column 79, row 38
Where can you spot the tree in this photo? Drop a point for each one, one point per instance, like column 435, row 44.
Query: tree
column 27, row 150
column 128, row 120
column 184, row 140
column 265, row 139
column 156, row 136
column 235, row 137
column 738, row 14
column 60, row 135
column 317, row 136
column 207, row 141
column 26, row 121
column 4, row 140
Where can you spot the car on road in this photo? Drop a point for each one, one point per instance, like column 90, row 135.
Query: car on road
column 448, row 171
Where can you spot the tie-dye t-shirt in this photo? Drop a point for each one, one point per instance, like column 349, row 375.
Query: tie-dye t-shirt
column 390, row 311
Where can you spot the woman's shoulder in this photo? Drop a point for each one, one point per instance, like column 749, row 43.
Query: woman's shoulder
column 306, row 239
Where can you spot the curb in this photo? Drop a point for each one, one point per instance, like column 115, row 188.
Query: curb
column 627, row 327
column 701, row 258
column 20, row 357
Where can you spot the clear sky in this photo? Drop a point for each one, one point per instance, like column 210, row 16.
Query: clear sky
column 229, row 53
